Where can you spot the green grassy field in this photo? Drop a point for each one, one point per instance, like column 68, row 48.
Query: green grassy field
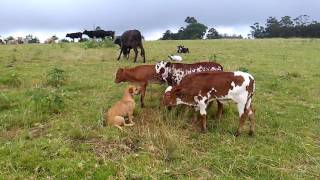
column 51, row 121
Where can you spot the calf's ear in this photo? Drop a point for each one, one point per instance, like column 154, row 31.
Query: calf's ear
column 168, row 63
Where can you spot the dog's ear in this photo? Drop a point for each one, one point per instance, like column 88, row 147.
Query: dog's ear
column 131, row 90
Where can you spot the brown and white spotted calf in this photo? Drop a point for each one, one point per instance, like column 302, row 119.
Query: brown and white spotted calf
column 173, row 73
column 200, row 89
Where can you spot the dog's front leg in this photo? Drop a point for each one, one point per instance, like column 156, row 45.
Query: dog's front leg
column 130, row 117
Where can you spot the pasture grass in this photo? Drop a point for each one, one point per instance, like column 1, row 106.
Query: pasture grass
column 52, row 99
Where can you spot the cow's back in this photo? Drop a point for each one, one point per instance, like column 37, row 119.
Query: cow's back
column 145, row 72
column 179, row 70
column 131, row 38
column 205, row 81
column 198, row 67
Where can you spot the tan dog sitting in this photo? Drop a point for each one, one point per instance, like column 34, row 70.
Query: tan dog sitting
column 124, row 107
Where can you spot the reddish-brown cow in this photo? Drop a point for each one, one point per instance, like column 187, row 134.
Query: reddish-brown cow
column 141, row 75
column 200, row 89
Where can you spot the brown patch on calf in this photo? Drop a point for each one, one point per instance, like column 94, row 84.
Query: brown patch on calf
column 238, row 80
column 249, row 88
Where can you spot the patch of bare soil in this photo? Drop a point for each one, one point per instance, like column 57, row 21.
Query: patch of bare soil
column 10, row 134
column 113, row 149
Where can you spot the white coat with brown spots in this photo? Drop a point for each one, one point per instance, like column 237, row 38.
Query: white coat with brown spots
column 200, row 89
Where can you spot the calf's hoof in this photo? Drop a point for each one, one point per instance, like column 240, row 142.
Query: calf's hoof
column 204, row 131
column 237, row 133
column 251, row 133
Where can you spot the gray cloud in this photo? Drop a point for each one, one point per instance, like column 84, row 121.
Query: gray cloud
column 146, row 15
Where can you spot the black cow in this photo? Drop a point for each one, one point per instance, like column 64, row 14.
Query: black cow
column 99, row 34
column 74, row 35
column 182, row 49
column 132, row 39
column 117, row 40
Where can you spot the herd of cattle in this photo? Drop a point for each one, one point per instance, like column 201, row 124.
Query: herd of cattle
column 96, row 34
column 196, row 85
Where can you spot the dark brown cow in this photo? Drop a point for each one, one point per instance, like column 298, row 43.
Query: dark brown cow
column 172, row 73
column 141, row 75
column 200, row 89
column 132, row 39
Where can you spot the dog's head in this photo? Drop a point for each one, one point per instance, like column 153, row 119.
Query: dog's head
column 133, row 90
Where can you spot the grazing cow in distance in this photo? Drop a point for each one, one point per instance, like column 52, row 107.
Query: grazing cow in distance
column 99, row 34
column 172, row 73
column 51, row 40
column 182, row 49
column 12, row 42
column 132, row 39
column 175, row 58
column 141, row 75
column 77, row 35
column 1, row 41
column 199, row 89
column 20, row 40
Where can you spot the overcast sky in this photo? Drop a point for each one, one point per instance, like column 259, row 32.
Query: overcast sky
column 48, row 17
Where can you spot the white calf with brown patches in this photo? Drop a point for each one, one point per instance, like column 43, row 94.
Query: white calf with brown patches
column 200, row 89
column 172, row 73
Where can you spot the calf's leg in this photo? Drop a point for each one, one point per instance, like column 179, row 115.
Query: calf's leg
column 202, row 107
column 143, row 92
column 120, row 54
column 204, row 123
column 252, row 121
column 143, row 54
column 241, row 123
column 219, row 111
column 135, row 54
column 242, row 116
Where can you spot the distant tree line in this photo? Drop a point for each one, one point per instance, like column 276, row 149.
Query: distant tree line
column 195, row 30
column 287, row 27
column 214, row 34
